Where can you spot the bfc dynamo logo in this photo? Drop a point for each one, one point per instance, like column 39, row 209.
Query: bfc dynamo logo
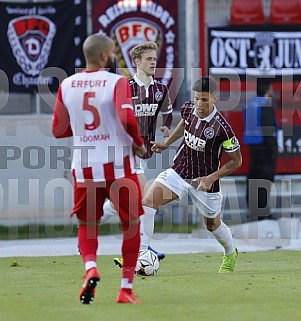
column 31, row 38
column 129, row 33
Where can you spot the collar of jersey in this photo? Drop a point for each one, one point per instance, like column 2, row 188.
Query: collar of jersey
column 209, row 117
column 88, row 71
column 140, row 83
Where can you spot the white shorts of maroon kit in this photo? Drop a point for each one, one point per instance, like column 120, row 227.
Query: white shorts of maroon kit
column 208, row 204
column 141, row 165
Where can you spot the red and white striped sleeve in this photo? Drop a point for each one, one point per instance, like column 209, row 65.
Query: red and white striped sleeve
column 125, row 110
column 61, row 127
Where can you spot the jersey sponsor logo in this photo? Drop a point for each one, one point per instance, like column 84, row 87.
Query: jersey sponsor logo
column 145, row 109
column 30, row 38
column 194, row 142
column 209, row 132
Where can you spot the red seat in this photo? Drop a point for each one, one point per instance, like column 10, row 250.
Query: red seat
column 247, row 12
column 285, row 12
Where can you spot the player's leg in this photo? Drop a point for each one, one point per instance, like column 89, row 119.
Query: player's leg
column 109, row 209
column 88, row 214
column 223, row 235
column 88, row 244
column 144, row 187
column 210, row 205
column 165, row 188
column 153, row 197
column 142, row 181
column 161, row 192
column 126, row 196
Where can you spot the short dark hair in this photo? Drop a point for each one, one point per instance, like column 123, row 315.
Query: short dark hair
column 263, row 85
column 205, row 84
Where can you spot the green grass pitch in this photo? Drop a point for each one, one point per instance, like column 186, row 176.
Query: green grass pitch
column 265, row 287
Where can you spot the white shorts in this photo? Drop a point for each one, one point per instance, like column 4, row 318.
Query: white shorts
column 141, row 165
column 208, row 204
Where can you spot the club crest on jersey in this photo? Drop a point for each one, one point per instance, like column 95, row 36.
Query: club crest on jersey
column 158, row 95
column 30, row 38
column 129, row 33
column 209, row 132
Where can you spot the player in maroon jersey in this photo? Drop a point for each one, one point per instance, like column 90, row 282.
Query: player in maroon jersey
column 150, row 97
column 196, row 167
column 95, row 108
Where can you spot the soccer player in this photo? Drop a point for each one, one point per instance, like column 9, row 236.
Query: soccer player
column 95, row 107
column 196, row 167
column 149, row 98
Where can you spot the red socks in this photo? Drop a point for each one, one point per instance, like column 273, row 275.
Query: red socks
column 88, row 242
column 130, row 245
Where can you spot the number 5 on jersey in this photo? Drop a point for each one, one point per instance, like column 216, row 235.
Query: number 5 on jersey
column 96, row 118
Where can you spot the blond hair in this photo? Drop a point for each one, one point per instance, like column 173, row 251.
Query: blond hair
column 138, row 50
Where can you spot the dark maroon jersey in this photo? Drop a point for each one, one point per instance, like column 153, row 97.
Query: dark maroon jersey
column 148, row 102
column 204, row 140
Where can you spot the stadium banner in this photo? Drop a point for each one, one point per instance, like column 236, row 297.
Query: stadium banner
column 129, row 23
column 255, row 50
column 35, row 36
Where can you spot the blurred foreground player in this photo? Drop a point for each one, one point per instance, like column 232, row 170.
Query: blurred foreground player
column 95, row 107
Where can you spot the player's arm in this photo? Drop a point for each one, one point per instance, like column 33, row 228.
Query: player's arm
column 234, row 162
column 167, row 117
column 231, row 146
column 61, row 127
column 124, row 107
column 158, row 147
column 167, row 121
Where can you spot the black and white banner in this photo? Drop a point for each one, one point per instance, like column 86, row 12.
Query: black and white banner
column 255, row 51
column 35, row 36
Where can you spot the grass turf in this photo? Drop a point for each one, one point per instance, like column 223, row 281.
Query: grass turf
column 265, row 287
column 35, row 231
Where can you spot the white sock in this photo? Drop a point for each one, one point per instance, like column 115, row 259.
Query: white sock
column 125, row 284
column 89, row 265
column 147, row 222
column 224, row 236
column 108, row 211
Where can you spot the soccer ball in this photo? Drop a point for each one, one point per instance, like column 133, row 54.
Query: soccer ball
column 147, row 263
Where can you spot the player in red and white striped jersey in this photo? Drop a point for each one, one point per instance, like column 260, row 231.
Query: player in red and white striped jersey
column 150, row 97
column 196, row 167
column 95, row 107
